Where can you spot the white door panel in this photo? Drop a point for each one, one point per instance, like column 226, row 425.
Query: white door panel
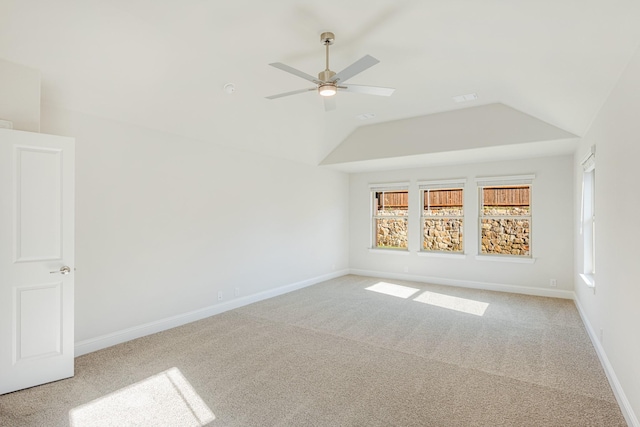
column 38, row 321
column 38, row 204
column 36, row 239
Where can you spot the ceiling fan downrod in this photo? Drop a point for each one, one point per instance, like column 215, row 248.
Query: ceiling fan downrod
column 327, row 39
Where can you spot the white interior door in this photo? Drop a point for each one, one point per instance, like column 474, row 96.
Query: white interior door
column 36, row 259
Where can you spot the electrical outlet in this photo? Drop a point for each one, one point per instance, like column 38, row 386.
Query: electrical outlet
column 219, row 295
column 236, row 292
column 553, row 283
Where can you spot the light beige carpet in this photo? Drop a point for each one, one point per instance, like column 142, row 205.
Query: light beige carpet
column 353, row 351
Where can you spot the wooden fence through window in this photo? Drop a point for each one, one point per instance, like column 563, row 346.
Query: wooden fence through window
column 443, row 198
column 507, row 196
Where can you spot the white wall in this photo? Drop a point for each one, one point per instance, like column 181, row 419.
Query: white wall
column 613, row 308
column 20, row 96
column 551, row 241
column 164, row 223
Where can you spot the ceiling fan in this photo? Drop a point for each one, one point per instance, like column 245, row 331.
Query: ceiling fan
column 328, row 82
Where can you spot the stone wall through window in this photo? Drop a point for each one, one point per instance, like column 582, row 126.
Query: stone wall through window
column 505, row 220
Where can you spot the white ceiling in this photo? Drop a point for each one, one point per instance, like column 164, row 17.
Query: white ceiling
column 162, row 64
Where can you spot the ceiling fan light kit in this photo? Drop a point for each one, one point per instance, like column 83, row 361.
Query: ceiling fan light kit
column 327, row 90
column 328, row 82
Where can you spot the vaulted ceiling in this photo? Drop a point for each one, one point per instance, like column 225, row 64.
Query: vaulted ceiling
column 162, row 64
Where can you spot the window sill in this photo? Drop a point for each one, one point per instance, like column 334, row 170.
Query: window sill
column 441, row 255
column 390, row 251
column 505, row 259
column 589, row 280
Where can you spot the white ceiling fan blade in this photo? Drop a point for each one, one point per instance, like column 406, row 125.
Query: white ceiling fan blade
column 329, row 103
column 357, row 67
column 295, row 72
column 368, row 90
column 280, row 95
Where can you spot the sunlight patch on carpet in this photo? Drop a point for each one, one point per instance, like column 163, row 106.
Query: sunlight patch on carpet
column 453, row 303
column 165, row 399
column 393, row 290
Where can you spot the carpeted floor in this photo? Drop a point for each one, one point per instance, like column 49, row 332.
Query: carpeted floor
column 339, row 354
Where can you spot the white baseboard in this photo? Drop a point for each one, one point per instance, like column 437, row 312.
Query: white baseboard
column 621, row 397
column 108, row 340
column 540, row 292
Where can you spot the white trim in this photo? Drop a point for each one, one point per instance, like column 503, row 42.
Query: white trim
column 588, row 195
column 618, row 392
column 582, row 206
column 118, row 337
column 526, row 290
column 390, row 186
column 442, row 183
column 436, row 254
column 589, row 164
column 390, row 251
column 498, row 258
column 504, row 180
column 591, row 152
column 589, row 161
column 589, row 280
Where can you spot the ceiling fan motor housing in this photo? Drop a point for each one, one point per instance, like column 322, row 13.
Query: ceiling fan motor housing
column 325, row 75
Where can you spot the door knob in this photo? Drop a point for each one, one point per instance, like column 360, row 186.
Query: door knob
column 63, row 270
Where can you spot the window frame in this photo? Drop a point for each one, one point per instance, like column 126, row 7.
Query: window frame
column 450, row 184
column 519, row 180
column 588, row 218
column 387, row 188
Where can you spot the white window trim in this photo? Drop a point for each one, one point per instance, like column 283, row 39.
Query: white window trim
column 390, row 251
column 434, row 185
column 492, row 181
column 389, row 186
column 488, row 181
column 588, row 279
column 442, row 254
column 517, row 259
column 380, row 187
column 442, row 183
column 588, row 166
column 589, row 161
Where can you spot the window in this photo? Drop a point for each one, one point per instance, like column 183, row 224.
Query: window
column 442, row 216
column 390, row 209
column 588, row 224
column 505, row 216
